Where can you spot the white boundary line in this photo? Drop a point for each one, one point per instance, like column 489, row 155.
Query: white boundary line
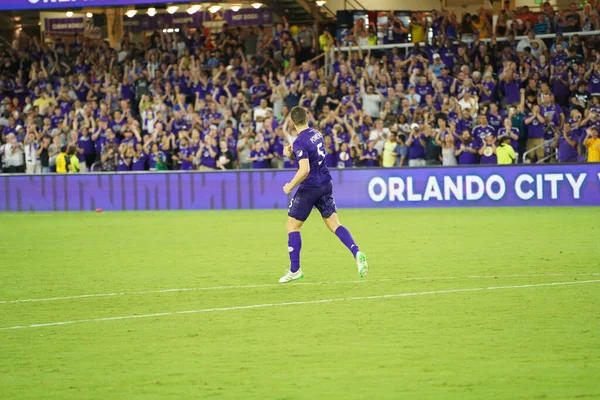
column 296, row 303
column 195, row 289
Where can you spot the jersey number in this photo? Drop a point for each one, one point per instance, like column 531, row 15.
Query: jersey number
column 321, row 153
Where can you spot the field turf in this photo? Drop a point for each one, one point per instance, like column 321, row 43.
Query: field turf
column 439, row 336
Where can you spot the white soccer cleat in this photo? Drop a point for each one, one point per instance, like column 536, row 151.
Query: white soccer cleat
column 291, row 276
column 361, row 262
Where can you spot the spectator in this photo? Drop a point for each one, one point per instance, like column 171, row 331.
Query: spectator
column 446, row 143
column 157, row 160
column 467, row 151
column 63, row 161
column 566, row 143
column 307, row 42
column 12, row 155
column 370, row 155
column 592, row 144
column 487, row 152
column 416, row 147
column 536, row 45
column 541, row 27
column 418, row 28
column 572, row 19
column 389, row 156
column 225, row 157
column 535, row 139
column 505, row 152
column 32, row 154
column 433, row 152
column 401, row 151
column 207, row 153
column 44, row 155
column 379, row 136
column 73, row 163
column 259, row 156
column 108, row 158
column 395, row 29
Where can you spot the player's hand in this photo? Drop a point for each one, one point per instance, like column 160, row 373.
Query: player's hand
column 287, row 150
column 287, row 188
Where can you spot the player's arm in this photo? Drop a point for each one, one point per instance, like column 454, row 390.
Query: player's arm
column 301, row 174
column 303, row 168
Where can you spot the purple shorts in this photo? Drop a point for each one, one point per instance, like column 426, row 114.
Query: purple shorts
column 308, row 197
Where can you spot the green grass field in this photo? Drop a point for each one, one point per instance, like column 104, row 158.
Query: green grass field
column 527, row 338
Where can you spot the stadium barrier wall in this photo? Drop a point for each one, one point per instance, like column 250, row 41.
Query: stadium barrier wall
column 495, row 186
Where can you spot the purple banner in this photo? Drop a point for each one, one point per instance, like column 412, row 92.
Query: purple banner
column 143, row 22
column 72, row 4
column 552, row 185
column 244, row 17
column 64, row 25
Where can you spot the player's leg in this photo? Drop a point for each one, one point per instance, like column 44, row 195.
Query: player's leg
column 298, row 212
column 333, row 223
column 326, row 205
column 294, row 242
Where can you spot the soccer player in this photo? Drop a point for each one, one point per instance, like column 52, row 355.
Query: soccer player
column 315, row 190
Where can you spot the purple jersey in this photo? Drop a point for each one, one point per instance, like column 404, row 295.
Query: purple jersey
column 344, row 159
column 594, row 83
column 491, row 87
column 495, row 121
column 122, row 165
column 536, row 129
column 87, row 144
column 467, row 158
column 566, row 152
column 513, row 142
column 488, row 156
column 261, row 161
column 186, row 152
column 139, row 163
column 310, row 145
column 481, row 131
column 373, row 156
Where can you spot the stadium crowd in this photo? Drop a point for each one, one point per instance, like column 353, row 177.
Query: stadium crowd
column 184, row 101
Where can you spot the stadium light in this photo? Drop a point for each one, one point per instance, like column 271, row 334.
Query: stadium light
column 236, row 8
column 89, row 15
column 69, row 14
column 193, row 9
column 320, row 3
column 131, row 13
column 172, row 9
column 214, row 8
column 256, row 6
column 152, row 11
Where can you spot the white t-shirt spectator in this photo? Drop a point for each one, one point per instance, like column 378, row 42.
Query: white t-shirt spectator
column 537, row 46
column 382, row 135
column 260, row 112
column 470, row 104
column 12, row 158
column 371, row 104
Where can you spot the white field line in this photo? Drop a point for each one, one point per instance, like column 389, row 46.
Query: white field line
column 195, row 289
column 296, row 303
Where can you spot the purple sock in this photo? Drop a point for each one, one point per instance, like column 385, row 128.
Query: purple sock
column 346, row 238
column 294, row 247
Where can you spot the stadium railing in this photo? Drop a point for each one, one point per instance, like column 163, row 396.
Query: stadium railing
column 552, row 154
column 404, row 47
